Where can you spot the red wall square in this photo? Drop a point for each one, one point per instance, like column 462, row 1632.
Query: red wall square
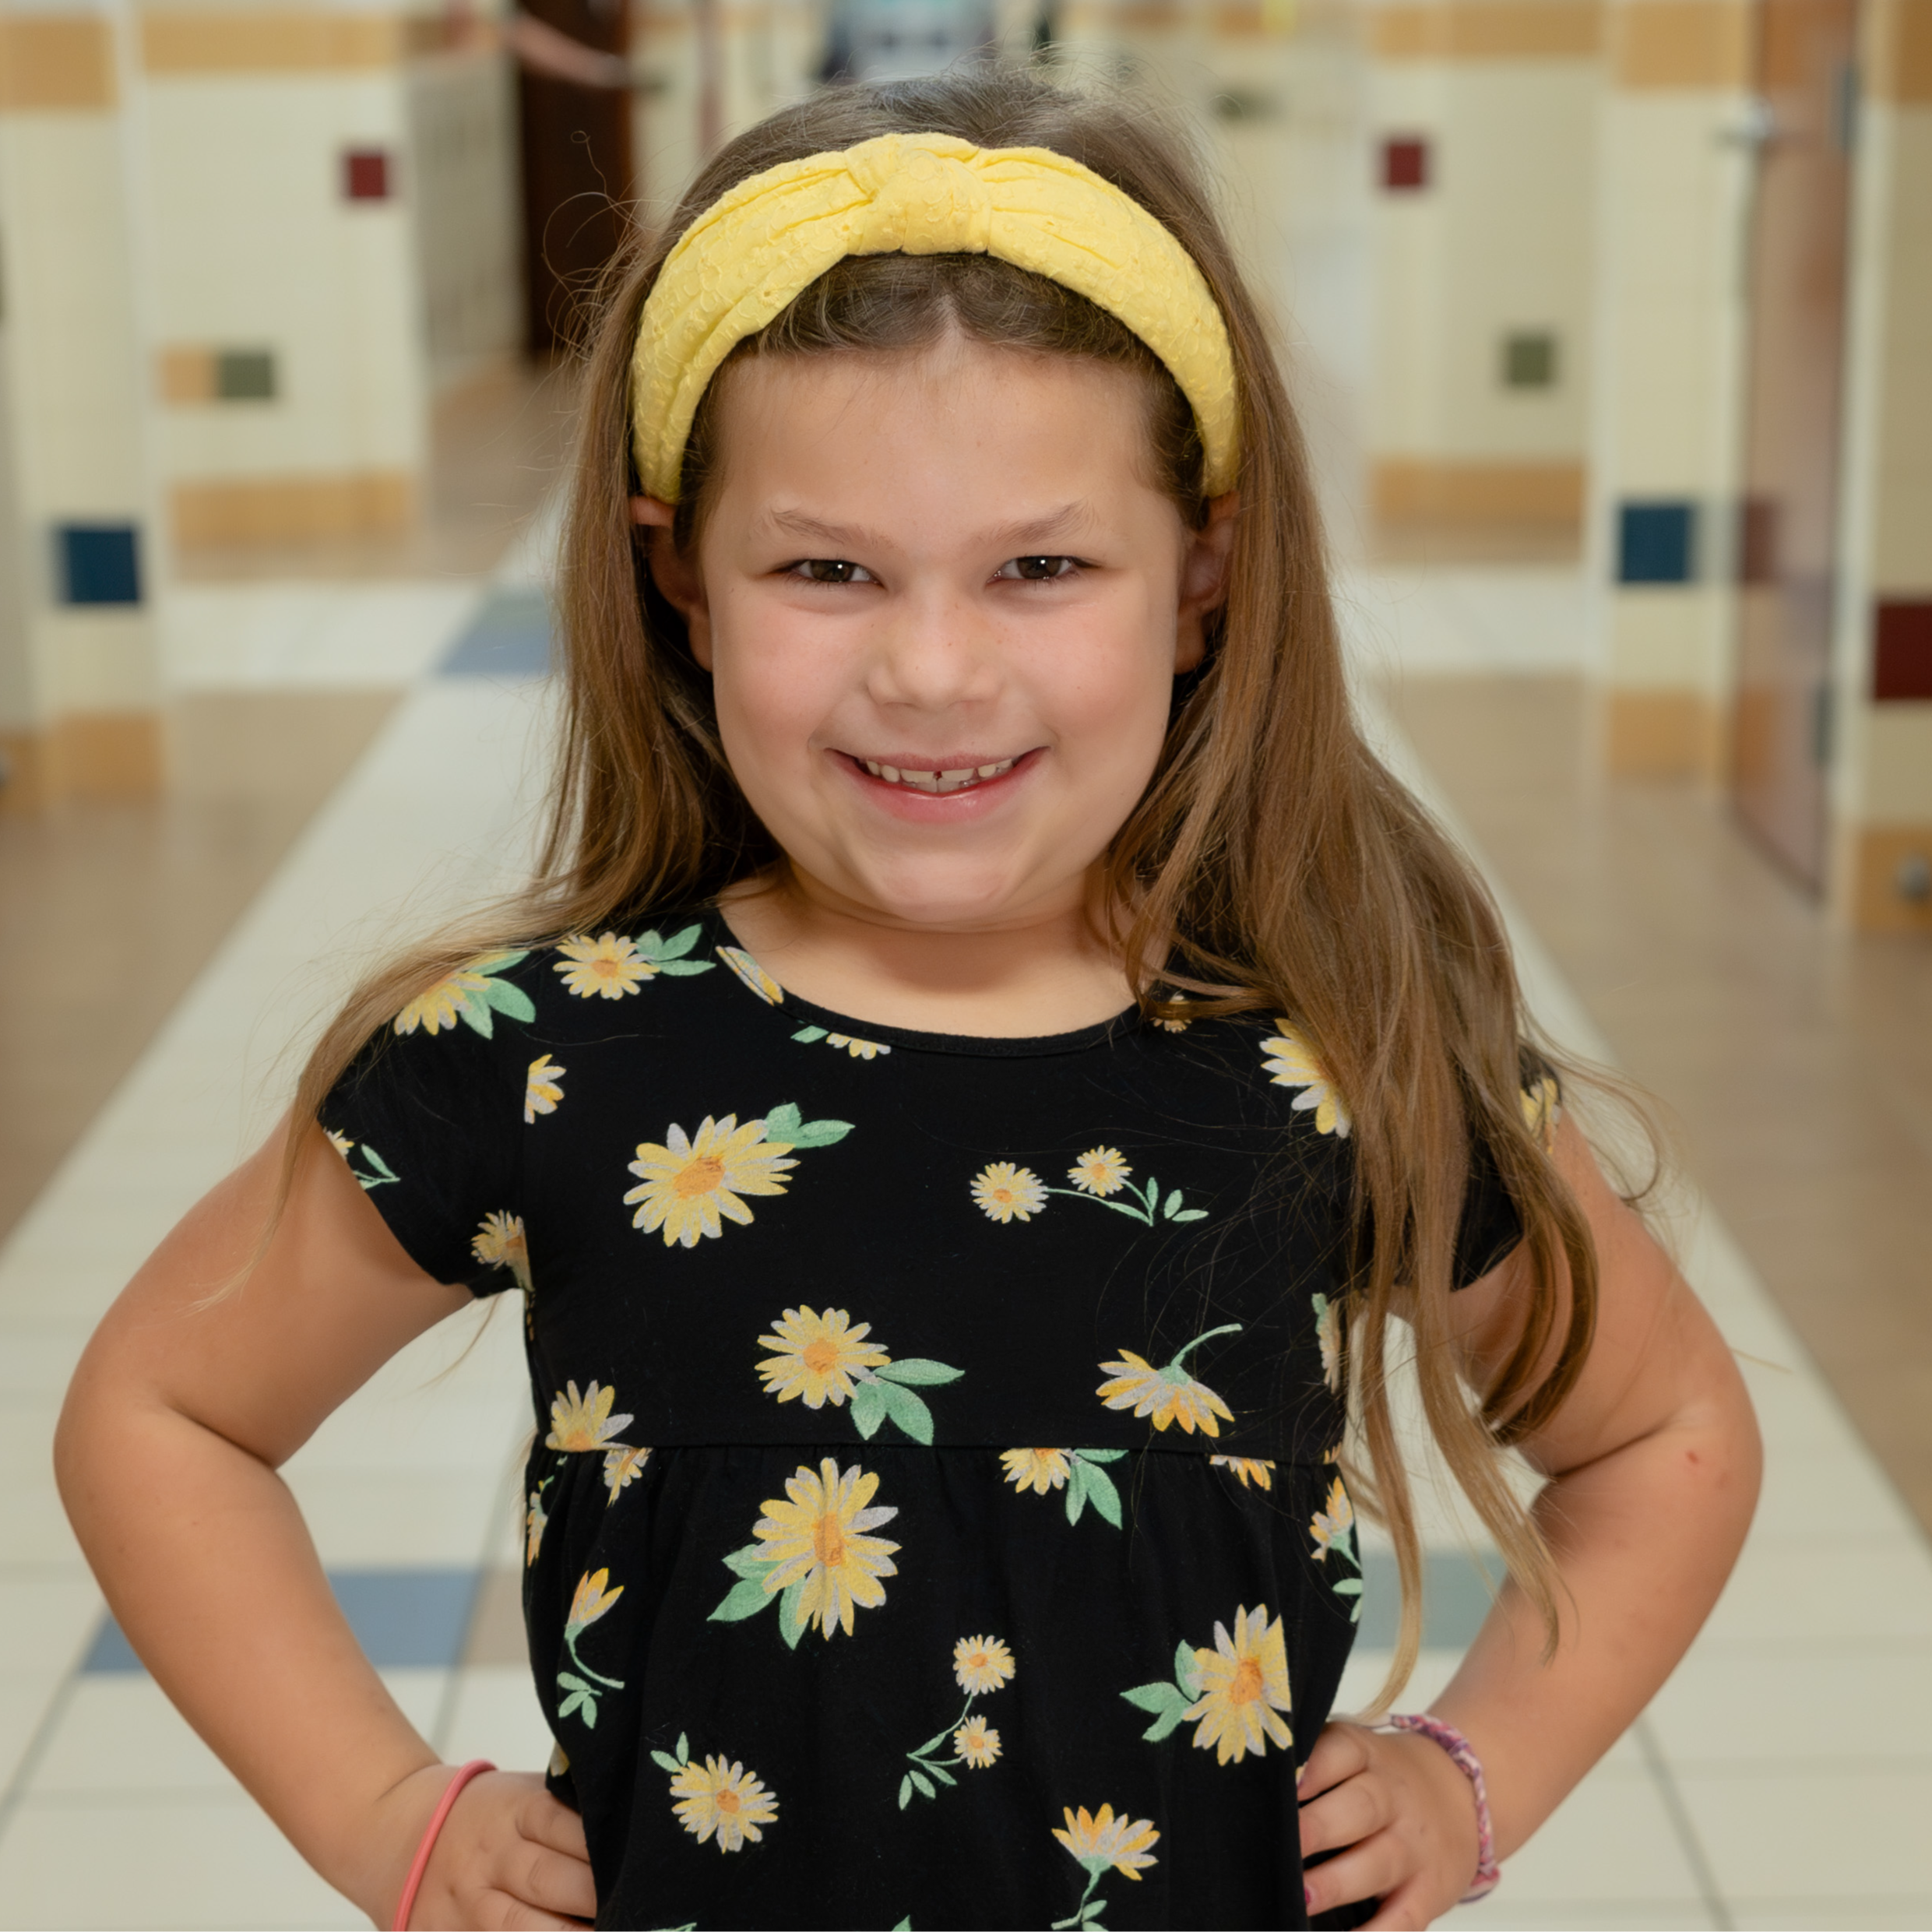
column 1404, row 163
column 365, row 174
column 1901, row 654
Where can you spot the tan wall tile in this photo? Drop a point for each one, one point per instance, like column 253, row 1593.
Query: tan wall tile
column 55, row 61
column 178, row 41
column 273, row 509
column 1487, row 30
column 1407, row 488
column 1898, row 50
column 86, row 754
column 1871, row 857
column 1662, row 734
column 184, row 375
column 1669, row 44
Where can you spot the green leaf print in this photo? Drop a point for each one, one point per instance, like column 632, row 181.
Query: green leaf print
column 791, row 1621
column 783, row 1124
column 744, row 1598
column 374, row 1172
column 668, row 954
column 809, row 1036
column 1169, row 1706
column 1187, row 1670
column 1087, row 1482
column 918, row 1373
column 868, row 1408
column 908, row 1411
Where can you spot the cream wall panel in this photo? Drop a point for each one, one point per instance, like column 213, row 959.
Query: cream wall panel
column 101, row 660
column 463, row 206
column 70, row 334
column 1408, row 268
column 1901, row 561
column 1897, row 760
column 269, row 254
column 1665, row 636
column 1517, row 253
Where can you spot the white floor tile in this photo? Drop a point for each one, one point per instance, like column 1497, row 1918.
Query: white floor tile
column 208, row 1862
column 1825, row 1594
column 33, row 1527
column 1840, row 1913
column 1808, row 1835
column 24, row 1700
column 37, row 1357
column 1504, row 1914
column 119, row 1735
column 1796, row 1708
column 366, row 1519
column 496, row 1716
column 26, row 1435
column 1837, row 1493
column 47, row 1620
column 1610, row 1840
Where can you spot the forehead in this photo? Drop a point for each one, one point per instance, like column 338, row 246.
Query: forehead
column 966, row 414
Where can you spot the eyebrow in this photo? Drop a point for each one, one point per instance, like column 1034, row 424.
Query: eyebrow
column 1023, row 536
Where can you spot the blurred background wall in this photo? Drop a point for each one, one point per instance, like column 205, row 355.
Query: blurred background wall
column 1637, row 282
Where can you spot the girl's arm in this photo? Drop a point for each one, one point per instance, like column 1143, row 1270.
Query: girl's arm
column 1654, row 1463
column 184, row 1404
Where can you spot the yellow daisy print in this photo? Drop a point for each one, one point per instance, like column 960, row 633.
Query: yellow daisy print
column 1540, row 1110
column 583, row 1423
column 1170, row 1394
column 692, row 1186
column 1121, row 1841
column 857, row 1049
column 500, row 1243
column 818, row 1538
column 1041, row 1469
column 1328, row 1335
column 622, row 1466
column 981, row 1664
column 590, row 1603
column 341, row 1142
column 721, row 1800
column 1006, row 1193
column 1332, row 1525
column 541, row 1088
column 470, row 994
column 610, row 966
column 1100, row 1170
column 536, row 1521
column 753, row 975
column 977, row 1743
column 1244, row 1683
column 1247, row 1469
column 816, row 1356
column 1291, row 1063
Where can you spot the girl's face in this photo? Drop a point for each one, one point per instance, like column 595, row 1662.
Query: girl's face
column 943, row 603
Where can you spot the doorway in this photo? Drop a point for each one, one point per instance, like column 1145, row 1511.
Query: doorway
column 1787, row 551
column 577, row 182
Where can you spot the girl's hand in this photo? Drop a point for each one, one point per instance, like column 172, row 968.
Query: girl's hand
column 508, row 1855
column 1405, row 1814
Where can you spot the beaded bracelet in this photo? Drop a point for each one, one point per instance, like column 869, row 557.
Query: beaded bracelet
column 1488, row 1874
column 407, row 1904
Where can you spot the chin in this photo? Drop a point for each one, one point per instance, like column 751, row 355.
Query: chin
column 935, row 895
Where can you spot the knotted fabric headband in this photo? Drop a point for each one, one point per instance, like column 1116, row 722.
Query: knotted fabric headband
column 745, row 259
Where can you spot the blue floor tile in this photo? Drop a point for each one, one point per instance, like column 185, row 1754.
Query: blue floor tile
column 403, row 1619
column 508, row 637
column 1455, row 1599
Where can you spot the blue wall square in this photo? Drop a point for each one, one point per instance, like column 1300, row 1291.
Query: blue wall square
column 1656, row 543
column 100, row 563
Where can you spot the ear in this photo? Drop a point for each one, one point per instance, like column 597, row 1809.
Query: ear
column 676, row 576
column 1204, row 580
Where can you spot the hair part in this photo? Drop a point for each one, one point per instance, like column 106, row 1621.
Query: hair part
column 1273, row 853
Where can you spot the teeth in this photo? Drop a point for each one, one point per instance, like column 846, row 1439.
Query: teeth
column 937, row 782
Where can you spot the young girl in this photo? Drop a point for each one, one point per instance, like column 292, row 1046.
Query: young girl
column 988, row 1054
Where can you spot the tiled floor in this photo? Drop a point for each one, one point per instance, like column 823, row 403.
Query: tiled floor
column 1783, row 1778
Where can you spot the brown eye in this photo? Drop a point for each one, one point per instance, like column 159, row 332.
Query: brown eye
column 1038, row 569
column 833, row 570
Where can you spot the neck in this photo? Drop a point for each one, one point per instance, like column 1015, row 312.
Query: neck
column 1041, row 970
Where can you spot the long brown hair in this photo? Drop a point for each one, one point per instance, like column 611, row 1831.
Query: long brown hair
column 1272, row 852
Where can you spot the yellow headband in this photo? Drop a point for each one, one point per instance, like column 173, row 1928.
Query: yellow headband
column 756, row 248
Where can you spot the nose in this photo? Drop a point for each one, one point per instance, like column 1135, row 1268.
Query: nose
column 935, row 651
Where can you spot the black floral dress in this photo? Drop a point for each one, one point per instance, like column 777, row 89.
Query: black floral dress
column 933, row 1519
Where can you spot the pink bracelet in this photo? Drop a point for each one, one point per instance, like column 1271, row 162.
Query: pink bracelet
column 1488, row 1874
column 475, row 1768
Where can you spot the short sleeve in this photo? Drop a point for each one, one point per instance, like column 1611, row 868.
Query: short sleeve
column 1490, row 1226
column 428, row 1118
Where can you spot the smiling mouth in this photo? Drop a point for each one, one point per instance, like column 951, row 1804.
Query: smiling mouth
column 938, row 783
